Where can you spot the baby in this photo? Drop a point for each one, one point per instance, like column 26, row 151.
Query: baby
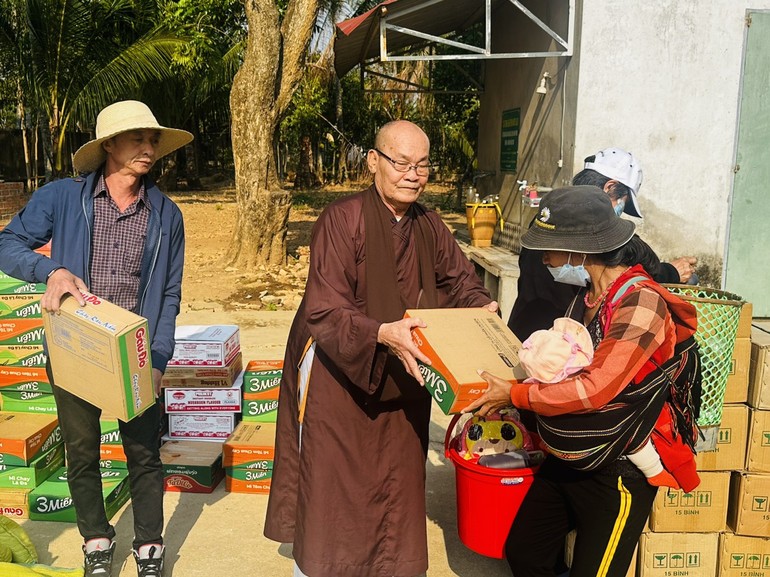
column 550, row 356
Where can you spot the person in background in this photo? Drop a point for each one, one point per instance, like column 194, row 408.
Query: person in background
column 348, row 485
column 635, row 325
column 540, row 300
column 117, row 236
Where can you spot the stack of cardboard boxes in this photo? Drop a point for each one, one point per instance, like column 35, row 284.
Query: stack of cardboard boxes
column 31, row 450
column 722, row 528
column 202, row 394
column 24, row 386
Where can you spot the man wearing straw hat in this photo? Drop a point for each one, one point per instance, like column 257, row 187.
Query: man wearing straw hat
column 116, row 235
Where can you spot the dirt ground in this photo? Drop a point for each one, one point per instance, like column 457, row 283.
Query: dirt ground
column 209, row 215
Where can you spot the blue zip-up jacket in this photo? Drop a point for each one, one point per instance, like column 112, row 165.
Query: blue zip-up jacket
column 63, row 211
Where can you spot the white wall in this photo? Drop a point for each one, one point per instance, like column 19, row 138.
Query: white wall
column 662, row 79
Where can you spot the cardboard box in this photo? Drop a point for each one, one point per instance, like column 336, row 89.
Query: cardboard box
column 227, row 373
column 262, row 409
column 108, row 464
column 204, row 400
column 112, row 453
column 759, row 372
column 51, row 501
column 14, row 503
column 741, row 556
column 703, row 510
column 200, row 425
column 24, row 379
column 191, row 467
column 21, row 332
column 22, row 355
column 685, row 554
column 250, row 446
column 737, row 386
column 21, row 306
column 744, row 322
column 758, row 452
column 255, row 481
column 749, row 512
column 459, row 342
column 730, row 452
column 15, row 286
column 27, row 402
column 101, row 353
column 262, row 376
column 24, row 436
column 35, row 473
column 110, row 431
column 207, row 345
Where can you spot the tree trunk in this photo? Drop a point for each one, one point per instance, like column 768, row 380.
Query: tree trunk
column 262, row 89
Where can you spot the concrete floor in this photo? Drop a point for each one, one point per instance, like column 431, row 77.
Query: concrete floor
column 220, row 534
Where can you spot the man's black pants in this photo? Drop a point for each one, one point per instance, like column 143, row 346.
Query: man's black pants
column 609, row 510
column 79, row 422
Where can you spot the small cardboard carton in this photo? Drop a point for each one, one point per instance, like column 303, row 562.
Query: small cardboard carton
column 253, row 481
column 20, row 306
column 191, row 467
column 685, row 554
column 22, row 355
column 21, row 332
column 200, row 425
column 730, row 451
column 204, row 400
column 459, row 342
column 24, row 379
column 27, row 402
column 101, row 353
column 758, row 454
column 24, row 436
column 51, row 501
column 14, row 503
column 741, row 556
column 205, row 345
column 226, row 374
column 262, row 376
column 703, row 510
column 749, row 512
column 250, row 446
column 759, row 372
column 38, row 470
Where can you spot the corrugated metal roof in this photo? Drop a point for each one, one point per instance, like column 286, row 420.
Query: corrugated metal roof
column 357, row 39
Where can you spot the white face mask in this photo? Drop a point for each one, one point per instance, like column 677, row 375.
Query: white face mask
column 568, row 274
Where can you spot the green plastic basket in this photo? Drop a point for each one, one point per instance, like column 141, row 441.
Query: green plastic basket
column 718, row 315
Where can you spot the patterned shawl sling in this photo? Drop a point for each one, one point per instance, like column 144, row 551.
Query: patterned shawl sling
column 384, row 300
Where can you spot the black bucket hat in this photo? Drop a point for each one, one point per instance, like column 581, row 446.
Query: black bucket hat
column 577, row 219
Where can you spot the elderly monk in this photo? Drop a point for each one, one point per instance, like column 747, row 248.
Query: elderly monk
column 348, row 485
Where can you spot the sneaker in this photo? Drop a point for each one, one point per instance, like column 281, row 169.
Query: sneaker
column 98, row 557
column 149, row 560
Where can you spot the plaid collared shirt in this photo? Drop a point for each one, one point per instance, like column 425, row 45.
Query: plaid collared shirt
column 117, row 247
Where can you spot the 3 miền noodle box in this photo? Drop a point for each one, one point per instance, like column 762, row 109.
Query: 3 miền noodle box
column 459, row 342
column 101, row 353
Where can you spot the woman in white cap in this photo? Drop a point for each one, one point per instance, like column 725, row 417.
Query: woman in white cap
column 590, row 421
column 114, row 234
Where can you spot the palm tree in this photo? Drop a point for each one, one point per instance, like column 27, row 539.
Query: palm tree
column 73, row 57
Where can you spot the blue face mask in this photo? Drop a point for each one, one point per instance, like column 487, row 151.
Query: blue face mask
column 620, row 206
column 568, row 274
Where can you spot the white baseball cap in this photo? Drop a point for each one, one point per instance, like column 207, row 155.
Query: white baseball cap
column 617, row 164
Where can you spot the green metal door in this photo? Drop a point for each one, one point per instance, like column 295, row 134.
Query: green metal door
column 747, row 267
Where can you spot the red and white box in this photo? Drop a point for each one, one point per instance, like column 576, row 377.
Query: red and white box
column 219, row 400
column 205, row 345
column 200, row 426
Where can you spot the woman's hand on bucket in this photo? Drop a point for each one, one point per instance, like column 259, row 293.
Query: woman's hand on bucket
column 498, row 394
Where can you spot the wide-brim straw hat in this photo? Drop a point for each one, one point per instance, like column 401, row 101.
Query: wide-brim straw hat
column 121, row 117
column 577, row 219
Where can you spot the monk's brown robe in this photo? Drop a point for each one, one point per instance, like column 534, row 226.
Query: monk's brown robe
column 353, row 499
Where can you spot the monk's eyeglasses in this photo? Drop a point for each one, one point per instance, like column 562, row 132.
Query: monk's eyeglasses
column 403, row 166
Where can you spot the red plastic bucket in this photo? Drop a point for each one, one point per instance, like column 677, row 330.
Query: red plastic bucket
column 487, row 500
